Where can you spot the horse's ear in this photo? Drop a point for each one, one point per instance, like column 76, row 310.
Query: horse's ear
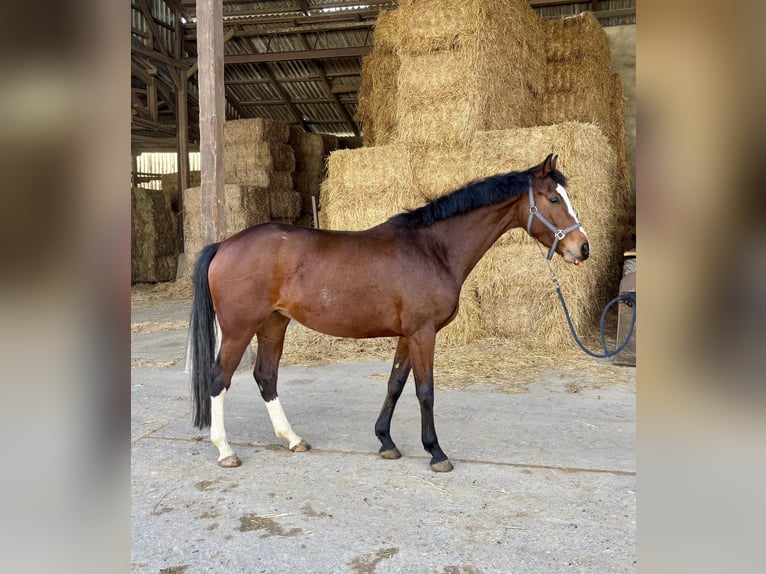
column 549, row 164
column 545, row 168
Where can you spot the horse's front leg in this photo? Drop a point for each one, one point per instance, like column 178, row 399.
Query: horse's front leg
column 399, row 373
column 421, row 346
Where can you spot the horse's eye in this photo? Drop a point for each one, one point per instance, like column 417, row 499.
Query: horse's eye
column 553, row 199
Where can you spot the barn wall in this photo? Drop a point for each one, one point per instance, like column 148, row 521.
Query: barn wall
column 622, row 40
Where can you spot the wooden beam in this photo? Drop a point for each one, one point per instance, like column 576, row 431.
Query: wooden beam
column 156, row 39
column 159, row 56
column 151, row 99
column 295, row 18
column 306, row 28
column 211, row 117
column 322, row 54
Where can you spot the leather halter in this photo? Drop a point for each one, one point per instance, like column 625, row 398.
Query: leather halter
column 558, row 234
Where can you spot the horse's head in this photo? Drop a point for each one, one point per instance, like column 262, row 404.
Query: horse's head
column 552, row 220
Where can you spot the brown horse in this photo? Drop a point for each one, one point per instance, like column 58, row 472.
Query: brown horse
column 401, row 279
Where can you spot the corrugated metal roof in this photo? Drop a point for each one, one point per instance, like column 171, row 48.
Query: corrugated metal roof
column 294, row 60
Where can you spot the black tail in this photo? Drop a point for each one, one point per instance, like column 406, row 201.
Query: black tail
column 202, row 334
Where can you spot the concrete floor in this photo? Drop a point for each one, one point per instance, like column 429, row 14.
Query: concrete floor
column 543, row 481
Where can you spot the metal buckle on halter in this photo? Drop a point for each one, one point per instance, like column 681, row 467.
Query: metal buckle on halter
column 560, row 234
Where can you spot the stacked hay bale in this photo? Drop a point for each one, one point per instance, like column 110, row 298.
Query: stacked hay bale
column 257, row 153
column 311, row 151
column 577, row 71
column 246, row 205
column 471, row 102
column 258, row 172
column 511, row 282
column 467, row 65
column 380, row 74
column 170, row 186
column 580, row 87
column 154, row 244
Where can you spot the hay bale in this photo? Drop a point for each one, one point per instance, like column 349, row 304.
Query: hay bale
column 578, row 70
column 311, row 151
column 377, row 92
column 438, row 171
column 366, row 186
column 467, row 65
column 514, row 287
column 255, row 130
column 276, row 180
column 154, row 237
column 245, row 206
column 285, row 205
column 573, row 37
column 377, row 96
column 589, row 105
column 571, row 75
column 170, row 186
column 257, row 156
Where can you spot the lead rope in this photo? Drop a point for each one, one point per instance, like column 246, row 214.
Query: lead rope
column 628, row 299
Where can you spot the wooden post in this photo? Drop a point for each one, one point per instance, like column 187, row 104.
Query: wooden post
column 211, row 117
column 182, row 126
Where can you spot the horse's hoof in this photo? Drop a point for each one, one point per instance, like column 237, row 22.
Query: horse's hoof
column 391, row 453
column 302, row 446
column 442, row 466
column 229, row 462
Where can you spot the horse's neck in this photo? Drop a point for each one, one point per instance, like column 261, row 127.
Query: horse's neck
column 467, row 237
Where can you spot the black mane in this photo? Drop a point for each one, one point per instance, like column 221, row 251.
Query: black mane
column 474, row 195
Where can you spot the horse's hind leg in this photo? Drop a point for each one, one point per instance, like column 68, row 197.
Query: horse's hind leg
column 229, row 356
column 271, row 338
column 399, row 373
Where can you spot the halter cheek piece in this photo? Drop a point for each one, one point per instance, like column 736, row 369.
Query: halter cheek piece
column 558, row 234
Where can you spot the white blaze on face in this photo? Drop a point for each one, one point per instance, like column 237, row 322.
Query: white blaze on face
column 563, row 193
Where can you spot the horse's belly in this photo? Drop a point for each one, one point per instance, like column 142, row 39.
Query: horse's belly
column 346, row 319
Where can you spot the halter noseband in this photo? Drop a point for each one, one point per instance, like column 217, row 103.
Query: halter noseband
column 558, row 234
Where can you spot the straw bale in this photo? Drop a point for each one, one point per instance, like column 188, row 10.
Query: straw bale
column 285, row 205
column 170, row 186
column 570, row 75
column 309, row 150
column 255, row 130
column 586, row 105
column 330, row 143
column 439, row 170
column 154, row 237
column 439, row 25
column 257, row 156
column 387, row 29
column 276, row 180
column 366, row 186
column 513, row 284
column 575, row 37
column 467, row 65
column 245, row 206
column 377, row 96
